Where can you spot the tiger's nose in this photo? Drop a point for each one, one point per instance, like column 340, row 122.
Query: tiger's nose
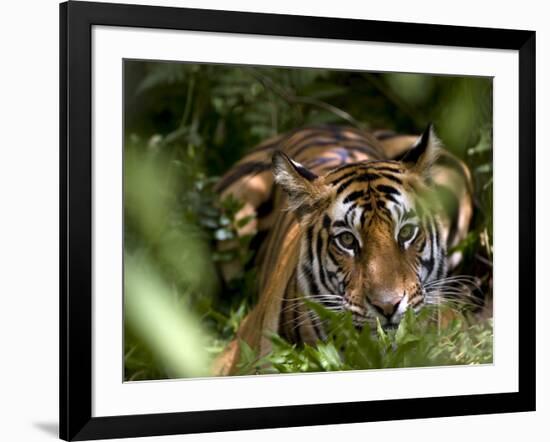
column 386, row 307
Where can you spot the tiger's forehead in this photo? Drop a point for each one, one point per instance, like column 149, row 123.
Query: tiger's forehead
column 365, row 189
column 366, row 171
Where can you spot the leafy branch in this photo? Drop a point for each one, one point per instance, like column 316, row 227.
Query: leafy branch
column 290, row 98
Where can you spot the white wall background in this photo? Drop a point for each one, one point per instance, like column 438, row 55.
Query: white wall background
column 29, row 217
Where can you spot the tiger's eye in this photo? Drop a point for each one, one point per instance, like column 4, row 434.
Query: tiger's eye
column 347, row 240
column 407, row 233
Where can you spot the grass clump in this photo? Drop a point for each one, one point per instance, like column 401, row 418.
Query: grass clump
column 418, row 342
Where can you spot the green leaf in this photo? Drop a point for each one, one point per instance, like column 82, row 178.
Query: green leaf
column 382, row 336
column 407, row 328
column 244, row 221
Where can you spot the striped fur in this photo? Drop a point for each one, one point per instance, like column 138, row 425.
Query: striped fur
column 356, row 221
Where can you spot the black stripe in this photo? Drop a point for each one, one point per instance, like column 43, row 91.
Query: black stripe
column 350, row 209
column 309, row 244
column 428, row 264
column 253, row 167
column 265, row 208
column 308, row 276
column 422, row 245
column 319, row 260
column 399, row 212
column 340, row 223
column 316, row 328
column 346, row 175
column 358, row 179
column 255, row 244
column 391, row 198
column 368, row 177
column 296, row 317
column 283, row 321
column 364, row 215
column 326, row 222
column 387, row 189
column 332, row 258
column 344, row 186
column 376, row 168
column 392, row 178
column 354, row 196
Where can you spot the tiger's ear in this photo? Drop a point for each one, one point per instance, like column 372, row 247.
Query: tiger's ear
column 424, row 153
column 305, row 191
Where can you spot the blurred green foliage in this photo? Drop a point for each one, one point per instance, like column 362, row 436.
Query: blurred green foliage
column 418, row 342
column 186, row 124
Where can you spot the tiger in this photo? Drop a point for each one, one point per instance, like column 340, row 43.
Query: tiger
column 357, row 221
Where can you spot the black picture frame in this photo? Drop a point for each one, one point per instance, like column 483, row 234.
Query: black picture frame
column 76, row 21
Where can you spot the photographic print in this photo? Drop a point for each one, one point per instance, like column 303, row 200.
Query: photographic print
column 255, row 204
column 289, row 220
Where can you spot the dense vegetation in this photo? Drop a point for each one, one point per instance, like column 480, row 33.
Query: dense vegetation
column 185, row 124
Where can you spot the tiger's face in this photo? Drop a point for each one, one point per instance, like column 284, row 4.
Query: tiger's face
column 371, row 240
